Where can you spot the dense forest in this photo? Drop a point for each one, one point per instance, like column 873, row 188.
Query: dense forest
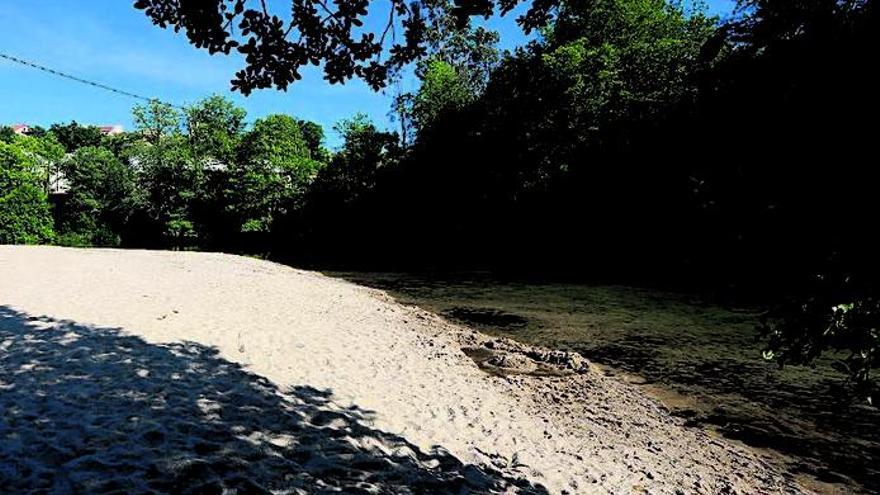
column 633, row 140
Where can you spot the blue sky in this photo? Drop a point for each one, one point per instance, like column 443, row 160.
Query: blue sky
column 111, row 42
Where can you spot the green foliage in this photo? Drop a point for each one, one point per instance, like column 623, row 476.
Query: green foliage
column 24, row 208
column 273, row 170
column 836, row 313
column 122, row 145
column 74, row 136
column 624, row 59
column 75, row 239
column 354, row 169
column 274, row 140
column 193, row 180
column 614, row 61
column 214, row 126
column 172, row 164
column 444, row 89
column 472, row 50
column 180, row 231
column 7, row 135
column 314, row 136
column 38, row 131
column 337, row 208
column 100, row 199
column 156, row 120
column 45, row 151
column 181, row 180
column 171, row 182
column 460, row 59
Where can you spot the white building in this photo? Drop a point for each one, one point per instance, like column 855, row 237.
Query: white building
column 111, row 130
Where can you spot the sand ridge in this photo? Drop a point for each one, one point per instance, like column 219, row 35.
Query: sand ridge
column 294, row 382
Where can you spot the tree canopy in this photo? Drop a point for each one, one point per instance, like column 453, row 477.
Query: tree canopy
column 74, row 136
column 273, row 170
column 214, row 126
column 25, row 217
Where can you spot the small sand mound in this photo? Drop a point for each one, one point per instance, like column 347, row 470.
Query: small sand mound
column 136, row 371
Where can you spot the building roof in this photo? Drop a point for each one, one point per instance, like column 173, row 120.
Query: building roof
column 111, row 129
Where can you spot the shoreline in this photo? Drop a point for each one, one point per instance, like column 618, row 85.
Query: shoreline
column 572, row 433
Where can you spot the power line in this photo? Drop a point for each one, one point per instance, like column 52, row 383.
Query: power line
column 81, row 80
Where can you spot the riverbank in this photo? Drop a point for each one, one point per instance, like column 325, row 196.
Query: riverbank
column 136, row 370
column 701, row 359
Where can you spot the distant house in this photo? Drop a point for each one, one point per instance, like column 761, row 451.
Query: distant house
column 111, row 130
column 21, row 129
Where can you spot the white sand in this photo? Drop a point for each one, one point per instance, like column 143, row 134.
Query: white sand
column 371, row 389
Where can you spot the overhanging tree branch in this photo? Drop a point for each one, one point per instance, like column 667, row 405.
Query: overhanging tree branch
column 327, row 35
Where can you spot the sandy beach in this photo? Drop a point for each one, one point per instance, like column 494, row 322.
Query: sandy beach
column 142, row 371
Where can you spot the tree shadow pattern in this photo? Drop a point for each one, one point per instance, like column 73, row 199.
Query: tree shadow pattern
column 91, row 410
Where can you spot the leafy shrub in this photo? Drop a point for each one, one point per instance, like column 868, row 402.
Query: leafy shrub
column 24, row 207
column 839, row 317
column 74, row 239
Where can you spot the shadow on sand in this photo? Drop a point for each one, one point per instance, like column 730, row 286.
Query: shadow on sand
column 91, row 410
